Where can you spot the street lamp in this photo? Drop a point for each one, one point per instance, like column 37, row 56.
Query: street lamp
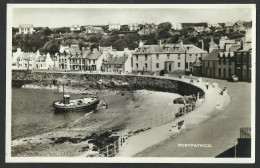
column 236, row 148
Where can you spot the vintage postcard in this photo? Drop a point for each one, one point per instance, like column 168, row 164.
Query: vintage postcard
column 157, row 83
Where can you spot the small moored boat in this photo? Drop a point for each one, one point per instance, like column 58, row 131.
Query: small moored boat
column 66, row 104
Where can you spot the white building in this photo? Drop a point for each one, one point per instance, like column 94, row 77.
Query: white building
column 199, row 28
column 176, row 26
column 170, row 57
column 114, row 26
column 94, row 30
column 15, row 55
column 26, row 29
column 248, row 38
column 34, row 61
column 216, row 25
column 133, row 27
column 212, row 45
column 75, row 28
column 224, row 40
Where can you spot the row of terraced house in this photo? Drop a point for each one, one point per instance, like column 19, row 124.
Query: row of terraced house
column 232, row 58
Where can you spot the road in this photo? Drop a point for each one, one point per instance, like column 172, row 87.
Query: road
column 220, row 131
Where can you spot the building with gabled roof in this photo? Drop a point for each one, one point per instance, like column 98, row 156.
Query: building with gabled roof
column 243, row 63
column 75, row 28
column 119, row 62
column 219, row 64
column 171, row 57
column 26, row 29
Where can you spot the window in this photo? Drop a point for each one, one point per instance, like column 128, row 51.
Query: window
column 89, row 61
column 157, row 56
column 239, row 58
column 219, row 72
column 190, row 64
column 145, row 65
column 145, row 57
column 179, row 64
column 250, row 61
column 93, row 61
column 136, row 57
column 136, row 65
column 214, row 65
column 245, row 58
column 157, row 65
column 179, row 56
column 168, row 56
column 208, row 63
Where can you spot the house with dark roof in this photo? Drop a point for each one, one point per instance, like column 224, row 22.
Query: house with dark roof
column 76, row 59
column 219, row 64
column 243, row 63
column 119, row 62
column 94, row 60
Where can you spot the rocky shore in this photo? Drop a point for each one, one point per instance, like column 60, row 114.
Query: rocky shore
column 128, row 104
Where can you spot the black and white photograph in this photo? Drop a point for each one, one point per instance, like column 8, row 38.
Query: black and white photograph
column 130, row 83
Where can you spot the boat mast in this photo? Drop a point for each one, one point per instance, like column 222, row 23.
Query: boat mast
column 63, row 93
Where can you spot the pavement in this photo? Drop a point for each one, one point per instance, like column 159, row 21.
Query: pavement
column 203, row 112
column 219, row 131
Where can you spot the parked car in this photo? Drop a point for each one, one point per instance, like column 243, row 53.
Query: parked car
column 163, row 72
column 234, row 78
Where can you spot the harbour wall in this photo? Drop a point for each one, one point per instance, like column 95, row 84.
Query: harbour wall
column 104, row 81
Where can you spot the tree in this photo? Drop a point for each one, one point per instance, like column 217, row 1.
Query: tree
column 150, row 39
column 166, row 26
column 52, row 46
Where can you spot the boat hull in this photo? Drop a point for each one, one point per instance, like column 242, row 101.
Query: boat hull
column 81, row 107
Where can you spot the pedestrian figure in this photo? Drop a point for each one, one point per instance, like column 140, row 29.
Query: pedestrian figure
column 191, row 81
column 207, row 85
column 143, row 71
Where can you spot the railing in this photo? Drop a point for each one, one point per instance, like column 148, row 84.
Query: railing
column 112, row 149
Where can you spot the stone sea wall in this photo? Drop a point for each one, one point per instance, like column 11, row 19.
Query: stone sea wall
column 104, row 81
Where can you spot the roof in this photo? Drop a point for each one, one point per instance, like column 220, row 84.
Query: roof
column 196, row 64
column 74, row 49
column 169, row 48
column 94, row 56
column 117, row 60
column 213, row 55
column 27, row 55
column 247, row 48
column 240, row 24
column 229, row 24
column 75, row 25
column 25, row 25
column 234, row 48
column 166, row 48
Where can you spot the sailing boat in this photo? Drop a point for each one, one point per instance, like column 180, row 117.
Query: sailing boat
column 67, row 104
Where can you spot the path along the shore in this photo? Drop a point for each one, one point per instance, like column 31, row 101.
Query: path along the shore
column 204, row 112
column 219, row 131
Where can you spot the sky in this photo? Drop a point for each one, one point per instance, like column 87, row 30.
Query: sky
column 60, row 17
